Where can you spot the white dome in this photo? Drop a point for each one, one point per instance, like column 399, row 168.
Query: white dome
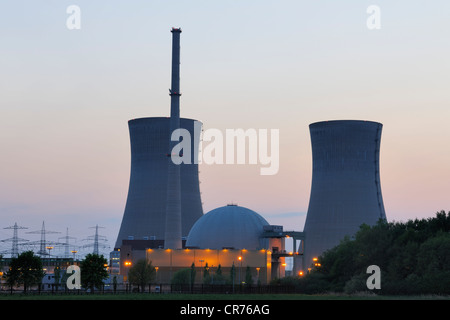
column 231, row 226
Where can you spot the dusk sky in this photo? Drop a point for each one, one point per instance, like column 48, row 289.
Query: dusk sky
column 66, row 96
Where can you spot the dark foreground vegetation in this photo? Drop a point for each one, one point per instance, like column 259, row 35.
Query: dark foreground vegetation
column 414, row 259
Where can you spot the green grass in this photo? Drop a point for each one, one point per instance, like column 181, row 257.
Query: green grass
column 234, row 297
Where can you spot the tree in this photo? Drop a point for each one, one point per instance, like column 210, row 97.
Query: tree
column 115, row 284
column 141, row 274
column 25, row 270
column 414, row 258
column 93, row 271
column 233, row 274
column 193, row 273
column 206, row 277
column 248, row 276
column 181, row 278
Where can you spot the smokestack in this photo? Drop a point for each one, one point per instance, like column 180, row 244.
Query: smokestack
column 172, row 238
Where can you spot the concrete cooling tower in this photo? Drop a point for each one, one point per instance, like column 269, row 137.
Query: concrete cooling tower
column 345, row 190
column 164, row 196
column 145, row 211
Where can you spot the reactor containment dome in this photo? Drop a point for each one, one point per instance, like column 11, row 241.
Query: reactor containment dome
column 231, row 226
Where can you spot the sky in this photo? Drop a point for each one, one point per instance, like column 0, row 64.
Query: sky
column 66, row 96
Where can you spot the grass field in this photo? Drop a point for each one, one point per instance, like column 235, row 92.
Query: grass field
column 206, row 297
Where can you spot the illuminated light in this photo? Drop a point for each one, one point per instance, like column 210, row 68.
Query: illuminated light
column 300, row 273
column 315, row 259
column 239, row 258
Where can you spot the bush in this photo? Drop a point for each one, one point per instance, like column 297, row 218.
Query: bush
column 414, row 258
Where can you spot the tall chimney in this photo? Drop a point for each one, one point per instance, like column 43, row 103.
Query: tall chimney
column 172, row 239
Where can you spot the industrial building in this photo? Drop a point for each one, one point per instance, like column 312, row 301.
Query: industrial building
column 227, row 236
column 164, row 222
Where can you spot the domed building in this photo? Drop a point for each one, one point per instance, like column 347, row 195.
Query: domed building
column 229, row 227
column 228, row 237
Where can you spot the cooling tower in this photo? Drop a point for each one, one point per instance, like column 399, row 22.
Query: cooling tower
column 345, row 190
column 164, row 196
column 145, row 210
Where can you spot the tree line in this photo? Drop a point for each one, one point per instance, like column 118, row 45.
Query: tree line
column 413, row 257
column 26, row 270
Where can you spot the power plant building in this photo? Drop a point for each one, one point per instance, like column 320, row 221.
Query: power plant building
column 346, row 189
column 229, row 236
column 163, row 220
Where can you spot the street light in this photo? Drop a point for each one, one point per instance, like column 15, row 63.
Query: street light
column 240, row 268
column 257, row 274
column 49, row 248
column 127, row 264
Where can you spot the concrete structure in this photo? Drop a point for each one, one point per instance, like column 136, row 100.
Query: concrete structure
column 173, row 233
column 231, row 227
column 345, row 190
column 145, row 211
column 224, row 236
column 163, row 197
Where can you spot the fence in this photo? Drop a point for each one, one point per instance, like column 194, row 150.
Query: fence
column 162, row 289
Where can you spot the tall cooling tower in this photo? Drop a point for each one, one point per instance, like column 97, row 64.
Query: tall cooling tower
column 164, row 196
column 145, row 211
column 345, row 190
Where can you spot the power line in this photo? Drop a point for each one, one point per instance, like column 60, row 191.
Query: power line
column 44, row 245
column 96, row 238
column 15, row 239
